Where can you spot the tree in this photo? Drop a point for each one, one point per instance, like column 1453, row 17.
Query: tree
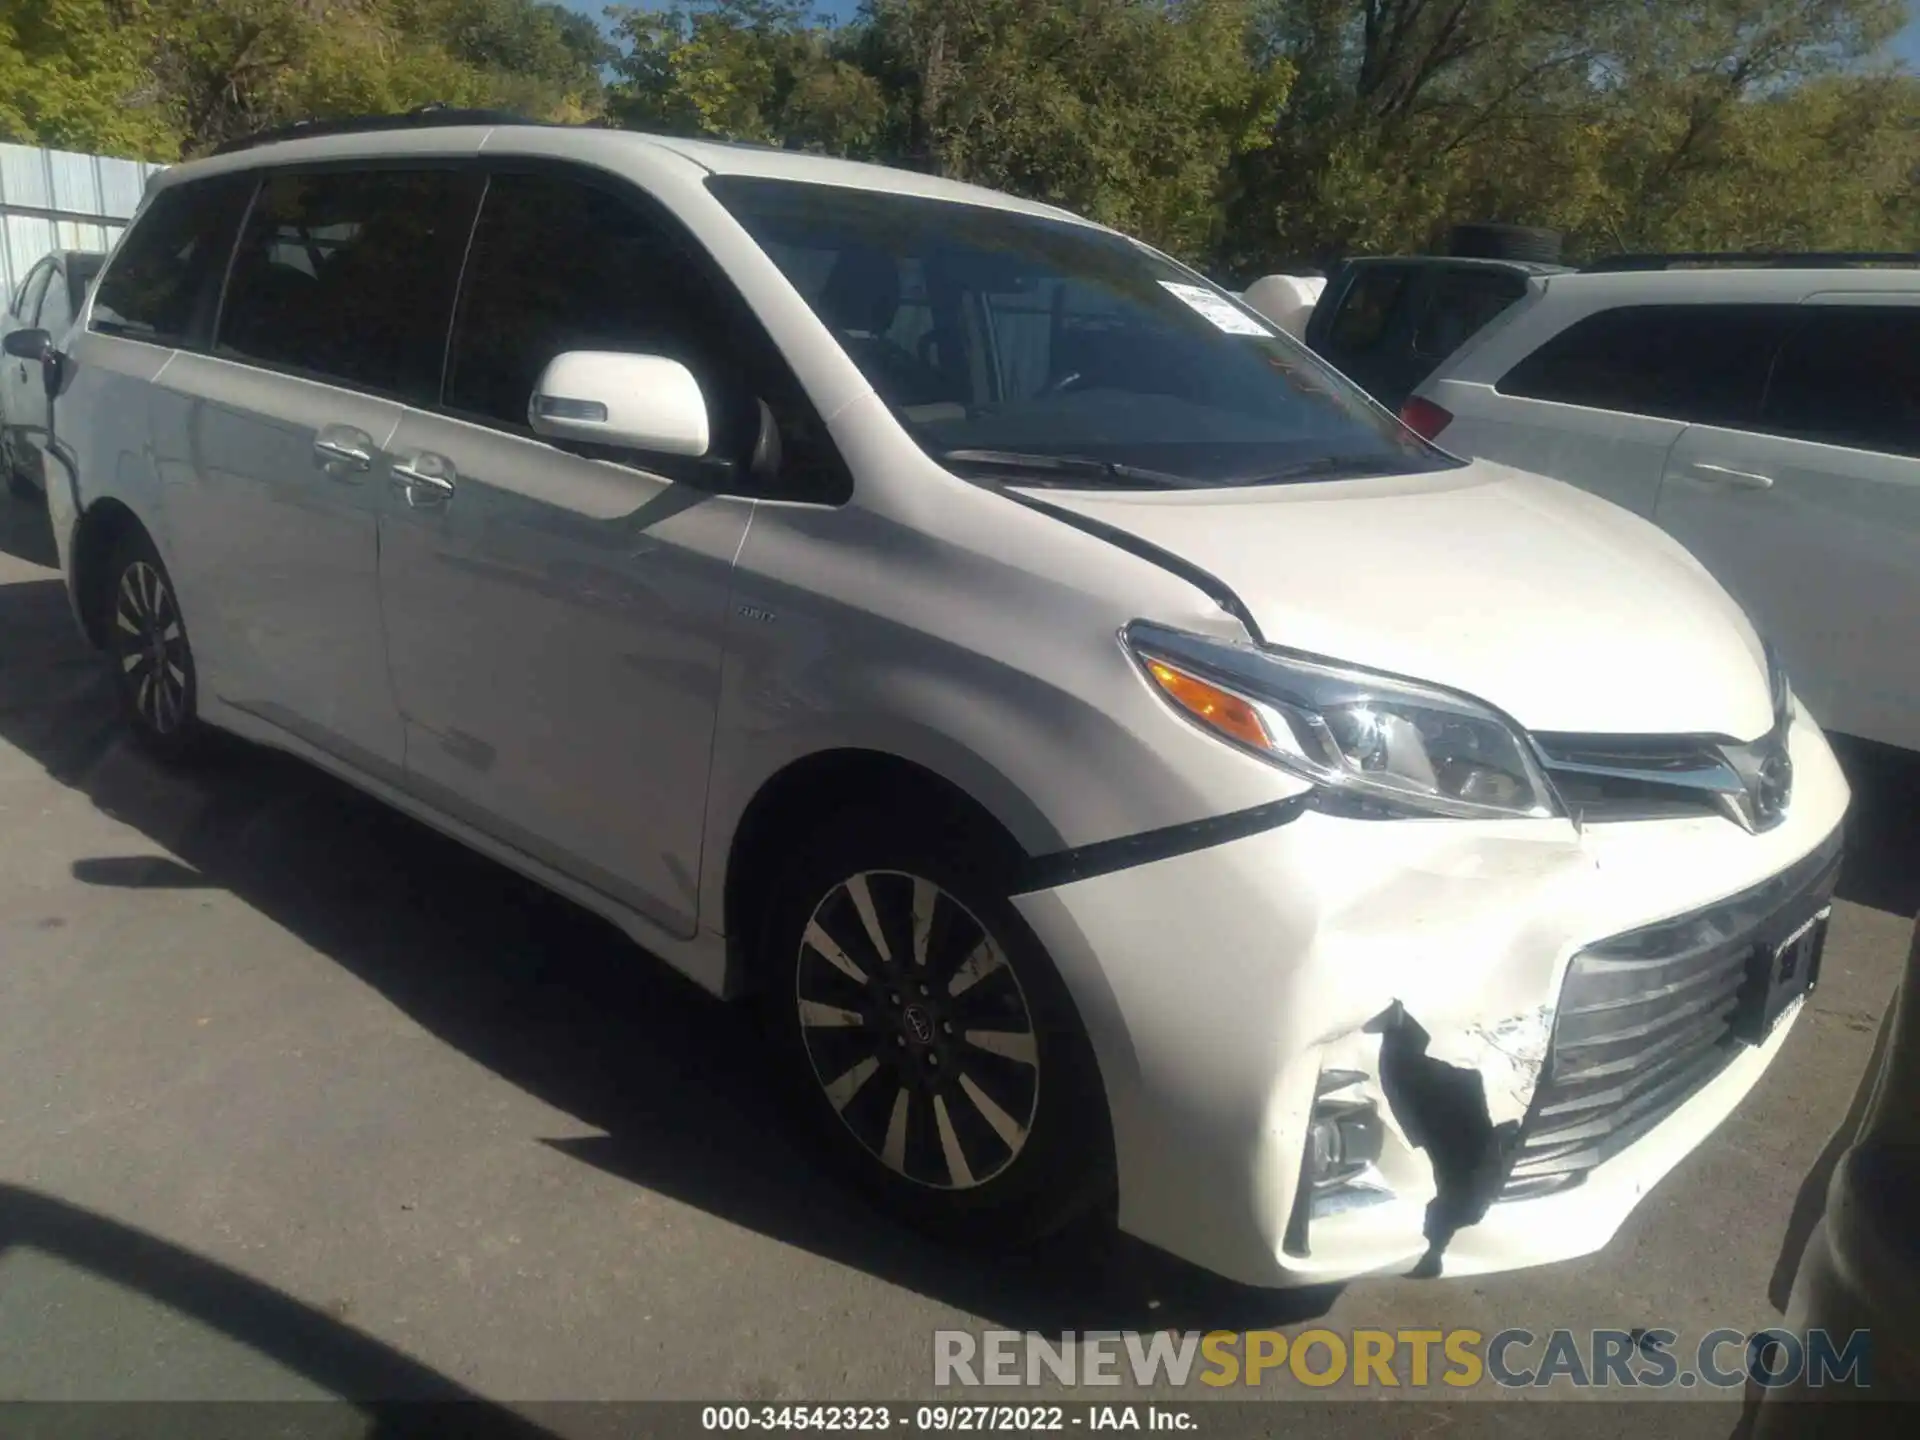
column 1611, row 119
column 760, row 70
column 165, row 78
column 73, row 75
column 1126, row 110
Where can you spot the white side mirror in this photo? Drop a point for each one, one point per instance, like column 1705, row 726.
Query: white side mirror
column 639, row 402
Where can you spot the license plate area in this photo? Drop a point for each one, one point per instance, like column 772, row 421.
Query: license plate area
column 1779, row 972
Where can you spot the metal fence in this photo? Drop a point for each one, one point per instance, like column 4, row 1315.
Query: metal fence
column 61, row 200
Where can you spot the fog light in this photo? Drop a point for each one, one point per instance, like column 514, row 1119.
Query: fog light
column 1337, row 1168
column 1343, row 1139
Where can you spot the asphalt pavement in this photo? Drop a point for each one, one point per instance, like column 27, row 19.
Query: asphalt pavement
column 298, row 1098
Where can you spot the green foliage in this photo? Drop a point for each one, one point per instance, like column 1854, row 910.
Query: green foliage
column 159, row 79
column 72, row 74
column 1238, row 133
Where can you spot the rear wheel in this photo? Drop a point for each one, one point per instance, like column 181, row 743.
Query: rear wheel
column 931, row 1043
column 152, row 656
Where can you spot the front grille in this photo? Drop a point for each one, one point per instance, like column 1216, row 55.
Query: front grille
column 1604, row 778
column 1649, row 1017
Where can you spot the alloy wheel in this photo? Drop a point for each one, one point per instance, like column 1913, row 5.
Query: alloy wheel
column 152, row 647
column 917, row 1029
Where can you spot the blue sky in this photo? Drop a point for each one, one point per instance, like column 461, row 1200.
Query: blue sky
column 1907, row 45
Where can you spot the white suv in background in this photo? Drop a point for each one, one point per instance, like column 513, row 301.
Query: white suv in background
column 1125, row 766
column 1768, row 418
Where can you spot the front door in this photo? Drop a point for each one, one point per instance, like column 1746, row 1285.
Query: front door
column 1814, row 526
column 555, row 620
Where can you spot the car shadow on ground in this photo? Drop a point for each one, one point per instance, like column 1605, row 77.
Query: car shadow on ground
column 24, row 532
column 396, row 1395
column 544, row 995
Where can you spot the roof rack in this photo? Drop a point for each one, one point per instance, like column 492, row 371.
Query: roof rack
column 1756, row 259
column 426, row 117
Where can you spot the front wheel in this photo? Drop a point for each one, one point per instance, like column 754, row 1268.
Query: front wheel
column 929, row 1038
column 153, row 667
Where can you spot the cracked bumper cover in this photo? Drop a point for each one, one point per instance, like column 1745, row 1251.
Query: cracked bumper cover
column 1218, row 986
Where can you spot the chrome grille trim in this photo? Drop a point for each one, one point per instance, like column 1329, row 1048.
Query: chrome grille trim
column 1646, row 1019
column 1601, row 778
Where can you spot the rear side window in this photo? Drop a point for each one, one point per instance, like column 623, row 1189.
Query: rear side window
column 1367, row 309
column 350, row 276
column 1462, row 304
column 1701, row 363
column 1850, row 375
column 164, row 280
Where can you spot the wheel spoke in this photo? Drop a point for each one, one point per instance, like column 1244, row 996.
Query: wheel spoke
column 893, row 1152
column 131, row 597
column 958, row 1172
column 1009, row 1044
column 121, row 618
column 842, row 1091
column 172, row 632
column 817, row 1016
column 143, row 700
column 128, row 663
column 869, row 919
column 1010, row 1130
column 926, row 899
column 824, row 945
column 982, row 961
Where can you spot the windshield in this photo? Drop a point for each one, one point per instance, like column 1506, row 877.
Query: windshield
column 1007, row 342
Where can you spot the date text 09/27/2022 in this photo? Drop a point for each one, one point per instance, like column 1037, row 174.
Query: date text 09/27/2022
column 935, row 1419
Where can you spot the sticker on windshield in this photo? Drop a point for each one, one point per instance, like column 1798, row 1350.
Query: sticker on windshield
column 1205, row 303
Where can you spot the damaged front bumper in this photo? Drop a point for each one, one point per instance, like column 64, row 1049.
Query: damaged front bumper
column 1378, row 1005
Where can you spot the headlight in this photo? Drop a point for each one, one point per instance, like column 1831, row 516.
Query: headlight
column 1413, row 746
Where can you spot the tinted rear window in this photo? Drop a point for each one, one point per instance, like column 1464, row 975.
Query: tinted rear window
column 350, row 276
column 165, row 277
column 1702, row 363
column 1850, row 375
column 1367, row 308
column 1461, row 304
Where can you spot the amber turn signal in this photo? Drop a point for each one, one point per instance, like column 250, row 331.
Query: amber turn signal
column 1219, row 709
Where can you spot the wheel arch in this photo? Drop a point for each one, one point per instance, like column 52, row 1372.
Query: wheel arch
column 99, row 532
column 796, row 795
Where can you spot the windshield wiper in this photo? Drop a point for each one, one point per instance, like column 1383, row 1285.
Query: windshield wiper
column 1067, row 468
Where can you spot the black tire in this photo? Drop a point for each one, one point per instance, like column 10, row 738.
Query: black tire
column 894, row 1130
column 1505, row 242
column 146, row 638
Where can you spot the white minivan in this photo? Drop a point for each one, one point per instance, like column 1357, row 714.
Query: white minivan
column 1126, row 766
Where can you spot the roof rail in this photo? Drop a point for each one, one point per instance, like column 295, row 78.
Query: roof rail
column 1755, row 259
column 426, row 117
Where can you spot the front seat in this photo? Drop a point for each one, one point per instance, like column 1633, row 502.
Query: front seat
column 859, row 303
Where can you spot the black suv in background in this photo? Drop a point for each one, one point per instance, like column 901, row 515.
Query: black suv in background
column 1387, row 322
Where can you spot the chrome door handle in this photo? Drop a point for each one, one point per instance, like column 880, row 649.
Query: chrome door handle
column 344, row 446
column 1735, row 479
column 424, row 481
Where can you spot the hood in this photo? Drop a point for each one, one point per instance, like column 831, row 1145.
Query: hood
column 1562, row 609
